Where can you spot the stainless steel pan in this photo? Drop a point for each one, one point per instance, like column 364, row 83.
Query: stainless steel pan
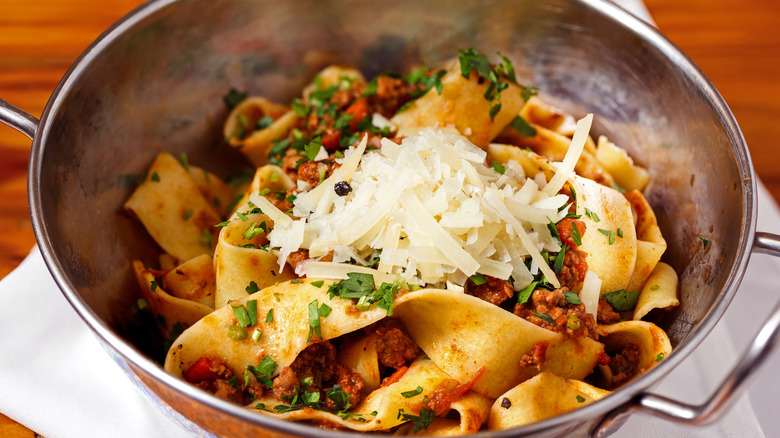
column 154, row 80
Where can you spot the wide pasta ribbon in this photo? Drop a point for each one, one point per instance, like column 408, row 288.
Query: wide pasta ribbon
column 462, row 333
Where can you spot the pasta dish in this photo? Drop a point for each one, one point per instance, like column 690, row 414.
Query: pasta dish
column 438, row 252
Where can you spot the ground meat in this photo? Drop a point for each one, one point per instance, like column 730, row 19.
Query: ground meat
column 297, row 257
column 624, row 364
column 309, row 171
column 212, row 375
column 286, row 383
column 391, row 94
column 569, row 319
column 318, row 361
column 493, row 290
column 280, row 201
column 290, row 163
column 606, row 313
column 536, row 357
column 574, row 268
column 394, row 347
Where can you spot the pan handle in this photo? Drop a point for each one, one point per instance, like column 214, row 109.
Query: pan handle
column 728, row 391
column 18, row 119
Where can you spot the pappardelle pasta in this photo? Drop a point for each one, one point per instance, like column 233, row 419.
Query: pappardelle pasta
column 434, row 253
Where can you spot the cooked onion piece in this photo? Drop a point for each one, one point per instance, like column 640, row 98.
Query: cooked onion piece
column 659, row 291
column 461, row 104
column 172, row 314
column 173, row 210
column 285, row 333
column 462, row 333
column 380, row 409
column 543, row 396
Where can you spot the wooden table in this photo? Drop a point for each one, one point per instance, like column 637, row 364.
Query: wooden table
column 737, row 47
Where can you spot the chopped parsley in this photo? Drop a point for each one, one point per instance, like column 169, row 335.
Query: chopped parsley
column 705, row 242
column 528, row 92
column 263, row 371
column 340, row 398
column 317, row 283
column 264, row 122
column 543, row 316
column 420, row 422
column 621, row 300
column 312, row 149
column 412, row 393
column 610, row 235
column 362, row 287
column 575, row 234
column 580, row 399
column 558, row 265
column 522, row 127
column 187, row 214
column 206, row 238
column 592, row 215
column 223, row 224
column 153, row 285
column 572, row 298
column 234, row 97
column 314, row 320
column 184, row 162
column 242, row 315
column 496, row 76
column 155, row 177
column 269, row 317
column 618, row 188
column 660, row 357
column 255, row 230
column 524, row 294
column 498, row 167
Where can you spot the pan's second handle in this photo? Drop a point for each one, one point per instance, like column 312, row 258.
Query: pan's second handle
column 18, row 119
column 728, row 391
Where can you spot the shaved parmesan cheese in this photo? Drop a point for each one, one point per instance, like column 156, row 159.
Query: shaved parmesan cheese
column 572, row 156
column 430, row 209
column 590, row 293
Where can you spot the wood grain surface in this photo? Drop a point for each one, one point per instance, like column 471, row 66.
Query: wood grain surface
column 736, row 44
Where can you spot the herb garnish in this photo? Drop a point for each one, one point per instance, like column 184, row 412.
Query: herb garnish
column 412, row 393
column 705, row 242
column 572, row 298
column 263, row 371
column 420, row 422
column 621, row 300
column 478, row 279
column 592, row 215
column 234, row 97
column 362, row 287
column 496, row 76
column 580, row 399
column 543, row 316
column 522, row 127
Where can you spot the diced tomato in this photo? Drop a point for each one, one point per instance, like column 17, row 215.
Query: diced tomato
column 396, row 376
column 359, row 110
column 564, row 230
column 331, row 140
column 201, row 370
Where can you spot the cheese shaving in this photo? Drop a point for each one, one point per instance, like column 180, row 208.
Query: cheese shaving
column 431, row 210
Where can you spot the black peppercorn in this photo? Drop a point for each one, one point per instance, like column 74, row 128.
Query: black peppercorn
column 506, row 403
column 342, row 188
